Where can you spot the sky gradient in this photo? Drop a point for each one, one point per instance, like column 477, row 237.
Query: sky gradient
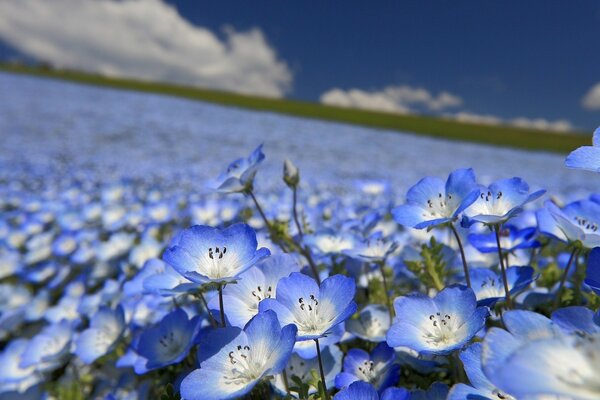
column 504, row 60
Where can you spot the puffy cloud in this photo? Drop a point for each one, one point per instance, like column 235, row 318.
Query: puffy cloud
column 399, row 99
column 146, row 39
column 560, row 125
column 591, row 101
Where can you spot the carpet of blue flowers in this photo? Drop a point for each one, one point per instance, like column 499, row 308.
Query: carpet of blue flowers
column 132, row 288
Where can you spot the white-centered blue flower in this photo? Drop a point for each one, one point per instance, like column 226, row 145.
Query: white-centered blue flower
column 106, row 328
column 434, row 202
column 578, row 221
column 314, row 310
column 239, row 175
column 204, row 254
column 241, row 359
column 372, row 323
column 501, row 201
column 50, row 348
column 437, row 325
column 378, row 368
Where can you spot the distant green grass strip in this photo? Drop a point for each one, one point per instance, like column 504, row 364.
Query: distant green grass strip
column 501, row 135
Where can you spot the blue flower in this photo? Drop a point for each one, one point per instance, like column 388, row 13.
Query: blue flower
column 578, row 320
column 489, row 287
column 372, row 323
column 257, row 283
column 241, row 359
column 205, row 254
column 578, row 221
column 436, row 325
column 303, row 369
column 49, row 349
column 239, row 176
column 106, row 327
column 511, row 239
column 586, row 157
column 378, row 368
column 432, row 202
column 364, row 391
column 13, row 377
column 592, row 275
column 374, row 249
column 170, row 341
column 314, row 310
column 482, row 388
column 537, row 357
column 501, row 201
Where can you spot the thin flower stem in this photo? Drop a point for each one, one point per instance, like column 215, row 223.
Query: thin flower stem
column 221, row 305
column 503, row 268
column 285, row 382
column 321, row 369
column 260, row 210
column 564, row 277
column 211, row 318
column 381, row 265
column 462, row 254
column 304, row 250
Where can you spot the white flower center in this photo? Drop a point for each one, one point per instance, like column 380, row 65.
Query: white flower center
column 243, row 367
column 439, row 207
column 307, row 314
column 441, row 330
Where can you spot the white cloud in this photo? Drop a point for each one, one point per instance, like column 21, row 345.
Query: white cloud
column 560, row 125
column 591, row 101
column 399, row 99
column 146, row 39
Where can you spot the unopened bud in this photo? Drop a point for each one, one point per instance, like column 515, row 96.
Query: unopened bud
column 291, row 175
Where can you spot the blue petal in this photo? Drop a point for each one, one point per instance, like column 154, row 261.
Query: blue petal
column 409, row 215
column 471, row 359
column 586, row 157
column 358, row 391
column 575, row 319
column 528, row 324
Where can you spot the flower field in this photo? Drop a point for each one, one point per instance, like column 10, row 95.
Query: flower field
column 160, row 248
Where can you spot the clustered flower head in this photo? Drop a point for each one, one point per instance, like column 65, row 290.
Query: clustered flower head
column 146, row 290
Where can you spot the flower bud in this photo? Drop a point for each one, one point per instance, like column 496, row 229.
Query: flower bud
column 291, row 174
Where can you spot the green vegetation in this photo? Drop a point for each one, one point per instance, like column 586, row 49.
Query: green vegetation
column 500, row 135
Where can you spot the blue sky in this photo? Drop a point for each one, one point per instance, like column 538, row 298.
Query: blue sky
column 509, row 59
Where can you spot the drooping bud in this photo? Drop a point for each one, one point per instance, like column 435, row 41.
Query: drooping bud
column 291, row 174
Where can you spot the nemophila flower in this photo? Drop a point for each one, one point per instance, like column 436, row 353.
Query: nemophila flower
column 243, row 358
column 257, row 283
column 511, row 239
column 535, row 358
column 578, row 221
column 314, row 310
column 592, row 275
column 239, row 176
column 489, row 287
column 372, row 323
column 330, row 243
column 586, row 157
column 578, row 320
column 49, row 349
column 374, row 249
column 364, row 391
column 432, row 202
column 106, row 328
column 13, row 377
column 378, row 368
column 437, row 325
column 501, row 201
column 481, row 388
column 205, row 254
column 170, row 341
column 303, row 369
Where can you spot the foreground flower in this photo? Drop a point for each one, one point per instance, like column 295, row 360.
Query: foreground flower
column 501, row 201
column 239, row 176
column 432, row 202
column 481, row 388
column 578, row 221
column 436, row 325
column 536, row 358
column 586, row 157
column 205, row 254
column 106, row 328
column 168, row 342
column 364, row 391
column 314, row 310
column 378, row 368
column 242, row 360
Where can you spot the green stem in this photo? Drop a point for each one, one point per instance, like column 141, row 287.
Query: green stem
column 564, row 277
column 221, row 305
column 321, row 369
column 381, row 265
column 462, row 254
column 503, row 268
column 211, row 318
